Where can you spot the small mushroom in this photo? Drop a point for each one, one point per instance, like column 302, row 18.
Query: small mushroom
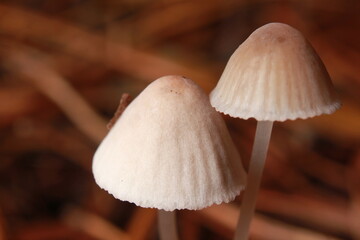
column 170, row 150
column 275, row 75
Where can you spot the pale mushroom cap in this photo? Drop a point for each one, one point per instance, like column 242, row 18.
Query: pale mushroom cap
column 275, row 75
column 170, row 150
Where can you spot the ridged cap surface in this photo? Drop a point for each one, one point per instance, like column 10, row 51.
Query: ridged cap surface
column 275, row 75
column 169, row 150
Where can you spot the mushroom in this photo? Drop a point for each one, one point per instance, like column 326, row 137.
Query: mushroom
column 275, row 75
column 169, row 150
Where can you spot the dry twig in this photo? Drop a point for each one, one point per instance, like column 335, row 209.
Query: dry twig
column 223, row 218
column 327, row 215
column 124, row 102
column 30, row 64
column 93, row 225
column 144, row 65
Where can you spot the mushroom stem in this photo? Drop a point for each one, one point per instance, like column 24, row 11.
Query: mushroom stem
column 256, row 167
column 167, row 225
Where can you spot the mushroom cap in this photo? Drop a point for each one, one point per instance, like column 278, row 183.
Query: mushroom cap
column 169, row 150
column 275, row 75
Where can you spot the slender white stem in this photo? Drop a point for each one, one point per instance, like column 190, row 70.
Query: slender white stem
column 256, row 167
column 167, row 225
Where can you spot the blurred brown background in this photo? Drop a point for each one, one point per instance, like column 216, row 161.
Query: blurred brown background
column 64, row 65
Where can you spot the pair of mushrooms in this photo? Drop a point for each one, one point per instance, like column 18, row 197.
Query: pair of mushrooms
column 171, row 150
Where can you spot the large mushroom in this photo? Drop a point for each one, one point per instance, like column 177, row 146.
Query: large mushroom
column 275, row 75
column 170, row 150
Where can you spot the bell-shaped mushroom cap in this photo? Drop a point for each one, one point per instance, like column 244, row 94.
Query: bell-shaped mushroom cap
column 275, row 75
column 169, row 150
